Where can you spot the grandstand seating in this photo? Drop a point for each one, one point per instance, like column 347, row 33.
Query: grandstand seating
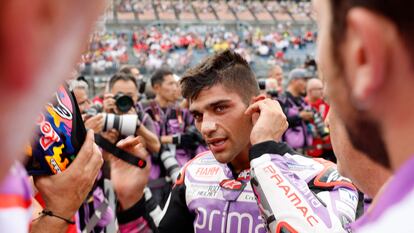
column 149, row 33
column 202, row 11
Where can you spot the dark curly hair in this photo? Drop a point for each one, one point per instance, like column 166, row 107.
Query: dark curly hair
column 227, row 68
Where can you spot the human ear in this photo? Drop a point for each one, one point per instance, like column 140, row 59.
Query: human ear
column 365, row 53
column 254, row 99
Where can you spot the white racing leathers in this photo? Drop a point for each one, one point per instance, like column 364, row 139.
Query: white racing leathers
column 300, row 194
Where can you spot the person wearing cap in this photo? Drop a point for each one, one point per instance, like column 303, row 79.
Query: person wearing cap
column 298, row 112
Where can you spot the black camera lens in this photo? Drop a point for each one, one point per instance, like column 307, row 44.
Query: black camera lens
column 273, row 93
column 123, row 102
column 262, row 84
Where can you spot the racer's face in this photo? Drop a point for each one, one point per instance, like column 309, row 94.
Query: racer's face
column 219, row 116
column 363, row 130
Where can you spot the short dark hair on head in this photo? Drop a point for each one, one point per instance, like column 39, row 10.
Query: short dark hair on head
column 127, row 69
column 158, row 76
column 121, row 76
column 397, row 11
column 227, row 68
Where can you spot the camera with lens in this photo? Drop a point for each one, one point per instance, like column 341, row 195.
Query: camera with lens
column 321, row 128
column 170, row 164
column 93, row 110
column 262, row 84
column 268, row 87
column 123, row 102
column 125, row 124
column 272, row 93
column 197, row 137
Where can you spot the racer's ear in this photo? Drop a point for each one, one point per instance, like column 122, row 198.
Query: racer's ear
column 254, row 99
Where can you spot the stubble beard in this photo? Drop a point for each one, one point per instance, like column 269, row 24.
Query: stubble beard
column 364, row 132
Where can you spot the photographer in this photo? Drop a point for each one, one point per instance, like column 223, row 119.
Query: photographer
column 172, row 121
column 297, row 111
column 122, row 117
column 134, row 71
column 175, row 130
column 321, row 145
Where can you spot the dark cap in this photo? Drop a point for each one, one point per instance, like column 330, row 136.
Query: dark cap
column 298, row 73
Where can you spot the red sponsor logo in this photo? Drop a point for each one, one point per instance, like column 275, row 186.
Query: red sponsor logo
column 293, row 196
column 231, row 184
column 49, row 134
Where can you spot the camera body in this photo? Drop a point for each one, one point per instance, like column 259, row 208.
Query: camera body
column 170, row 164
column 321, row 128
column 267, row 86
column 123, row 102
column 126, row 124
column 93, row 110
column 262, row 84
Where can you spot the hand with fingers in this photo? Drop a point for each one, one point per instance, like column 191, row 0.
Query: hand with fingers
column 269, row 121
column 109, row 103
column 111, row 135
column 64, row 193
column 95, row 123
column 306, row 115
column 128, row 180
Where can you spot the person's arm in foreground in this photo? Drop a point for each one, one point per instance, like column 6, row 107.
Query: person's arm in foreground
column 286, row 200
column 64, row 193
column 129, row 182
column 148, row 133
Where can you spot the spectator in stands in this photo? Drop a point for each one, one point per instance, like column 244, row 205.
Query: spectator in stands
column 106, row 53
column 298, row 112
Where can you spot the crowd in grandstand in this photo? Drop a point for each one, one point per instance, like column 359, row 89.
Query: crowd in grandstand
column 218, row 10
column 105, row 53
column 178, row 48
